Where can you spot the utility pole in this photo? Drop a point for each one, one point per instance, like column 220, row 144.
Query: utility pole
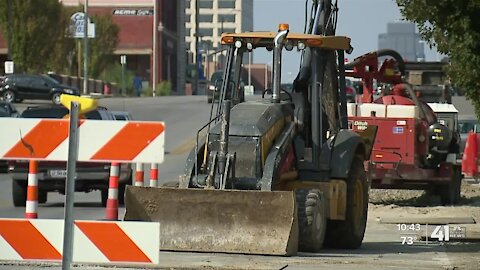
column 9, row 29
column 85, row 48
column 154, row 62
column 197, row 63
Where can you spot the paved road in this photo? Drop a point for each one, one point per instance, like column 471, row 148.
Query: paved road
column 382, row 247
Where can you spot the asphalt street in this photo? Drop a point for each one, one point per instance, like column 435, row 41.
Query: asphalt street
column 382, row 248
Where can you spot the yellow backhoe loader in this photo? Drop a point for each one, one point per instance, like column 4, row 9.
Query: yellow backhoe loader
column 275, row 175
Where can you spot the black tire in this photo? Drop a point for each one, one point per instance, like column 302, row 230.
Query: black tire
column 348, row 233
column 450, row 193
column 104, row 197
column 42, row 196
column 312, row 219
column 19, row 192
column 121, row 193
column 56, row 98
column 9, row 96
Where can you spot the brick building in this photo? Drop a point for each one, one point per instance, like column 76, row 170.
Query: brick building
column 135, row 19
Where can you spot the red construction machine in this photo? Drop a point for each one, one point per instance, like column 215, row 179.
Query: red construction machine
column 417, row 143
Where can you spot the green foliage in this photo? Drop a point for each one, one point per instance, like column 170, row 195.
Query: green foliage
column 31, row 28
column 39, row 39
column 164, row 88
column 64, row 47
column 103, row 45
column 452, row 25
column 113, row 74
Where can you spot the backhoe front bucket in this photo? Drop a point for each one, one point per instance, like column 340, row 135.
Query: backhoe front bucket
column 231, row 221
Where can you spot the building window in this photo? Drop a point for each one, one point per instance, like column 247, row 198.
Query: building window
column 205, row 4
column 187, row 3
column 226, row 4
column 187, row 31
column 226, row 18
column 187, row 18
column 205, row 18
column 228, row 30
column 206, row 32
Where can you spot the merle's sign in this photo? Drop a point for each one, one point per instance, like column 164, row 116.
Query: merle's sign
column 133, row 12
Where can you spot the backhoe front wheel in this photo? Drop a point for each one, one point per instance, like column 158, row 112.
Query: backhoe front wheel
column 349, row 233
column 312, row 219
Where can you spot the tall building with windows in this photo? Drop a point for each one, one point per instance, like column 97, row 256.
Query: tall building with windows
column 402, row 37
column 215, row 18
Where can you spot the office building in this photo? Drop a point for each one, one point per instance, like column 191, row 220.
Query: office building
column 215, row 18
column 402, row 37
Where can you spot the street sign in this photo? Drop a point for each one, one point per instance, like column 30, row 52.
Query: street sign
column 9, row 67
column 249, row 90
column 77, row 28
column 133, row 12
column 123, row 59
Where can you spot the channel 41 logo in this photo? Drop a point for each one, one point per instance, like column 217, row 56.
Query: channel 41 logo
column 443, row 233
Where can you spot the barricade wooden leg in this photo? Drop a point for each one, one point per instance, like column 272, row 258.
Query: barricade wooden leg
column 139, row 175
column 111, row 212
column 154, row 175
column 31, row 209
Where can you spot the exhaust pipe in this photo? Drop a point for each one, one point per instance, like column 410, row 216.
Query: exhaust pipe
column 277, row 64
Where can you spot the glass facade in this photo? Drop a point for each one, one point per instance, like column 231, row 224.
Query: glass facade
column 226, row 3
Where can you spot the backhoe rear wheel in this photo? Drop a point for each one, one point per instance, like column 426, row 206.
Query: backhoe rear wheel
column 349, row 233
column 312, row 219
column 450, row 193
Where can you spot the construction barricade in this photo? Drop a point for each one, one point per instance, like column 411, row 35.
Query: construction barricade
column 94, row 241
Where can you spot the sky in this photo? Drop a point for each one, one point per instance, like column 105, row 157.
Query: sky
column 361, row 20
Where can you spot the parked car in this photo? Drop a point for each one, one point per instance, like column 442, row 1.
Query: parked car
column 8, row 110
column 17, row 87
column 213, row 88
column 121, row 115
column 52, row 175
column 465, row 125
column 350, row 91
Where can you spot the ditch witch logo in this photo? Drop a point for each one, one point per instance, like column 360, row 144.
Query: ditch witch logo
column 133, row 12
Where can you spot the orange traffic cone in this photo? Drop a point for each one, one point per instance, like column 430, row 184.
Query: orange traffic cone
column 469, row 159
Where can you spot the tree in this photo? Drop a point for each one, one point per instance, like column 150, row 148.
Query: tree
column 40, row 41
column 103, row 45
column 31, row 28
column 64, row 47
column 452, row 26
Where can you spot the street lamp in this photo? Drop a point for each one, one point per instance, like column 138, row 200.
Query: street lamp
column 197, row 32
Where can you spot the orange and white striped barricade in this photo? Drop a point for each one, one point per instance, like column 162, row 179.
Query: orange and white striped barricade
column 154, row 175
column 99, row 141
column 31, row 205
column 93, row 242
column 111, row 212
column 139, row 175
